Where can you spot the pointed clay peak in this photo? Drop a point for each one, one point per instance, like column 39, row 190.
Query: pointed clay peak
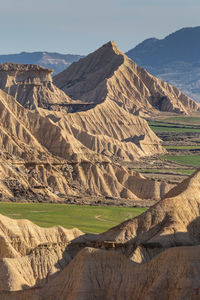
column 108, row 73
column 189, row 185
column 113, row 45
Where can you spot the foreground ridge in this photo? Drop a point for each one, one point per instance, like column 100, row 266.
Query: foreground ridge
column 153, row 256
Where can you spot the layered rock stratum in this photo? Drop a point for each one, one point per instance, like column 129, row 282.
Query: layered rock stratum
column 50, row 154
column 107, row 128
column 48, row 151
column 110, row 74
column 153, row 256
column 32, row 86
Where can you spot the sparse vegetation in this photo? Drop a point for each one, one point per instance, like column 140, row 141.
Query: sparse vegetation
column 183, row 119
column 168, row 124
column 182, row 129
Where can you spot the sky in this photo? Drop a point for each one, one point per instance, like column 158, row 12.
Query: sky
column 81, row 26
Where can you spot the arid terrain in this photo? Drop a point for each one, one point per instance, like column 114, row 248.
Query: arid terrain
column 56, row 145
column 153, row 256
column 104, row 132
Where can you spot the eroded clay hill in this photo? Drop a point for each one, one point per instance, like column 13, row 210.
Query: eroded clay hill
column 109, row 74
column 105, row 129
column 32, row 86
column 172, row 222
column 153, row 256
column 41, row 157
column 60, row 153
column 110, row 130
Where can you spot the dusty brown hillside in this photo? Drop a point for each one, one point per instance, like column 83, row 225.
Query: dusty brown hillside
column 174, row 221
column 106, row 129
column 110, row 130
column 110, row 74
column 41, row 156
column 153, row 256
column 50, row 153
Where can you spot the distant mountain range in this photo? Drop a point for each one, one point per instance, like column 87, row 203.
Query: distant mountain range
column 56, row 61
column 175, row 59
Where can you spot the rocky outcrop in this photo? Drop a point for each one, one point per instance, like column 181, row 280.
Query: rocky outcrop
column 32, row 86
column 51, row 180
column 109, row 74
column 98, row 274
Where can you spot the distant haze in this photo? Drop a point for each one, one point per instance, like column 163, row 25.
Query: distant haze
column 79, row 27
column 175, row 59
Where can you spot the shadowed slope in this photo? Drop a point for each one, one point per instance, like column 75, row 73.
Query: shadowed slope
column 153, row 256
column 173, row 221
column 108, row 73
column 98, row 274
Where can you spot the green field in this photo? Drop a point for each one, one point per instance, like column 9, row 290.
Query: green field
column 183, row 119
column 168, row 124
column 174, row 129
column 93, row 219
column 191, row 160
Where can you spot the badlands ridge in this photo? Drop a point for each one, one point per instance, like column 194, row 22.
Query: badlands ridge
column 55, row 144
column 68, row 138
column 153, row 256
column 108, row 74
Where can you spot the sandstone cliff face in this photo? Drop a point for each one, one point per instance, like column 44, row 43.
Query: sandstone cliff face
column 153, row 256
column 108, row 73
column 32, row 86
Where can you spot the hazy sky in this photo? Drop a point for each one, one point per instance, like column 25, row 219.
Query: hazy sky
column 81, row 26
